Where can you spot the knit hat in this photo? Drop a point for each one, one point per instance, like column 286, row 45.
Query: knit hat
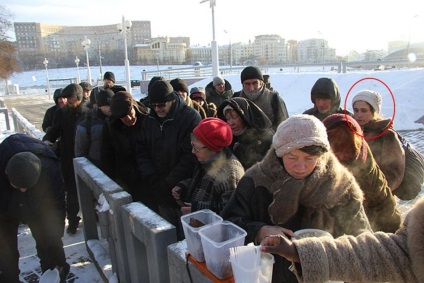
column 251, row 73
column 121, row 104
column 57, row 93
column 104, row 97
column 86, row 86
column 179, row 85
column 161, row 91
column 218, row 80
column 214, row 133
column 154, row 79
column 197, row 92
column 373, row 98
column 23, row 169
column 73, row 90
column 109, row 76
column 297, row 132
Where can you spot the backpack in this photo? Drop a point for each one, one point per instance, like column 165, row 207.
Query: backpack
column 414, row 172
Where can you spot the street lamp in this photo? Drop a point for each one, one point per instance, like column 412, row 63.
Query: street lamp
column 46, row 62
column 77, row 61
column 124, row 28
column 231, row 51
column 86, row 44
column 214, row 46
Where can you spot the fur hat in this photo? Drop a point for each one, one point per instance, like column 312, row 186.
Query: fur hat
column 218, row 80
column 23, row 169
column 214, row 133
column 179, row 85
column 104, row 97
column 299, row 131
column 121, row 104
column 373, row 98
column 251, row 72
column 109, row 76
column 86, row 86
column 161, row 91
column 73, row 90
column 197, row 92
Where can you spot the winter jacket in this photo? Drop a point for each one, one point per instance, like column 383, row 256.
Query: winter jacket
column 326, row 87
column 387, row 150
column 328, row 199
column 46, row 197
column 217, row 98
column 48, row 117
column 252, row 145
column 270, row 103
column 196, row 106
column 212, row 182
column 164, row 154
column 378, row 257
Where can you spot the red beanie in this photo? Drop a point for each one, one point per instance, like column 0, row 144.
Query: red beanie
column 214, row 133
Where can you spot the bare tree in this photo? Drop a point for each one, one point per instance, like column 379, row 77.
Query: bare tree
column 8, row 61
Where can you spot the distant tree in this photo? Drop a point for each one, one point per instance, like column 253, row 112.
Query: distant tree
column 8, row 61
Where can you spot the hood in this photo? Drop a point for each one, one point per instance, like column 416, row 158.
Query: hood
column 326, row 88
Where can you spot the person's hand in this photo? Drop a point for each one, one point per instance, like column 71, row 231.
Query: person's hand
column 186, row 208
column 272, row 230
column 49, row 143
column 176, row 192
column 279, row 244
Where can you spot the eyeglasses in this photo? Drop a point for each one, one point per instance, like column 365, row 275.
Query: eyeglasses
column 158, row 105
column 197, row 148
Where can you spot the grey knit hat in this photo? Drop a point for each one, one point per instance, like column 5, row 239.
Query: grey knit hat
column 297, row 132
column 23, row 169
column 218, row 80
column 373, row 98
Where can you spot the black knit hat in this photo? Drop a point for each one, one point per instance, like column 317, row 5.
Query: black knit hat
column 57, row 93
column 104, row 97
column 154, row 79
column 179, row 85
column 73, row 90
column 161, row 91
column 109, row 76
column 251, row 73
column 121, row 104
column 23, row 169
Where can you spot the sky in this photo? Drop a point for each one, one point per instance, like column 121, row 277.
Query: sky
column 359, row 25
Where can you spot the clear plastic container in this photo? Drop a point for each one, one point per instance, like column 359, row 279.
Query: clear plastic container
column 261, row 274
column 307, row 233
column 216, row 241
column 194, row 243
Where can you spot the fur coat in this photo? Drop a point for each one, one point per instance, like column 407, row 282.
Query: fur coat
column 378, row 257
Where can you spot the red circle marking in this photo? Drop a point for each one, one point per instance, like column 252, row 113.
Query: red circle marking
column 394, row 109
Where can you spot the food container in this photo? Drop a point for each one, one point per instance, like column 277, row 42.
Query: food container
column 307, row 233
column 259, row 274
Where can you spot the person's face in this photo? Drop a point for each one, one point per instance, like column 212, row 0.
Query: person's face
column 201, row 152
column 220, row 88
column 299, row 164
column 235, row 122
column 130, row 119
column 362, row 112
column 200, row 101
column 323, row 105
column 86, row 93
column 61, row 101
column 252, row 86
column 182, row 94
column 108, row 83
column 162, row 109
column 72, row 102
column 105, row 110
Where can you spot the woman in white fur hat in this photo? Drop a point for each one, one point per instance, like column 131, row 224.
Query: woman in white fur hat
column 380, row 136
column 299, row 184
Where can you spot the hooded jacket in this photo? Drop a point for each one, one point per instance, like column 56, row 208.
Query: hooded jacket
column 252, row 145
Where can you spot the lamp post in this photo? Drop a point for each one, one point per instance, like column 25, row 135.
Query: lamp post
column 86, row 44
column 46, row 62
column 231, row 51
column 77, row 61
column 124, row 28
column 214, row 46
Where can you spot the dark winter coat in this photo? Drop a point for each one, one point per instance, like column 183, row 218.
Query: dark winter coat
column 270, row 103
column 328, row 199
column 212, row 182
column 48, row 117
column 217, row 98
column 252, row 145
column 88, row 136
column 118, row 151
column 164, row 155
column 387, row 150
column 325, row 87
column 378, row 257
column 46, row 198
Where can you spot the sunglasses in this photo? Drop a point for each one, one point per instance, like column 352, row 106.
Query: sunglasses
column 158, row 105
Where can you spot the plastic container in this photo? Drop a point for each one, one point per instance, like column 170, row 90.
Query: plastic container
column 307, row 233
column 194, row 243
column 50, row 276
column 216, row 241
column 260, row 274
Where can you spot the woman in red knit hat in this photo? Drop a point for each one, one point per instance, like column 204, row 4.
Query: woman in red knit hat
column 217, row 172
